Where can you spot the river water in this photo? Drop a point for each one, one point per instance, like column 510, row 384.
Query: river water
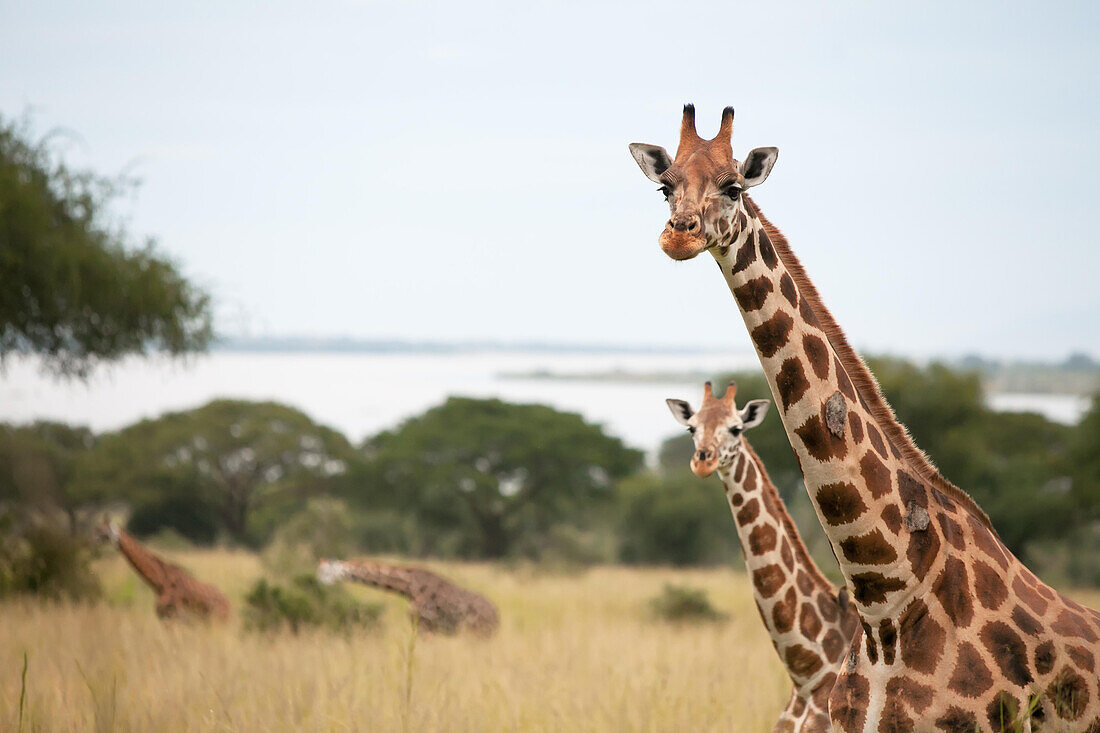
column 363, row 393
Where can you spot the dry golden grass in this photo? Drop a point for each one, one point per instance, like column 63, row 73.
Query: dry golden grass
column 574, row 652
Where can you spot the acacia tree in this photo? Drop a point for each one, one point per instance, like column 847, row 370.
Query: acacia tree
column 242, row 459
column 482, row 475
column 75, row 291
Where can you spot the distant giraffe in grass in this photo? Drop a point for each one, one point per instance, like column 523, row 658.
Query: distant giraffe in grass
column 178, row 593
column 437, row 604
column 810, row 624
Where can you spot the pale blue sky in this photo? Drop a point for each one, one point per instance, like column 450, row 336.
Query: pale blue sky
column 460, row 170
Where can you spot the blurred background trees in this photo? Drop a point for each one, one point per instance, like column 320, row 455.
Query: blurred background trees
column 485, row 478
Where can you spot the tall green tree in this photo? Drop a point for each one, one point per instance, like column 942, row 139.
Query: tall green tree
column 241, row 466
column 480, row 475
column 75, row 290
column 38, row 463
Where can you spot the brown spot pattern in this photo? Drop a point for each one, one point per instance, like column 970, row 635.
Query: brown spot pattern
column 875, row 475
column 786, row 286
column 748, row 513
column 840, row 503
column 988, row 586
column 801, row 661
column 891, row 515
column 871, row 588
column 762, row 539
column 1008, row 651
column 848, row 702
column 924, row 546
column 772, row 335
column 768, row 580
column 791, row 382
column 952, row 532
column 784, row 610
column 952, row 588
column 857, row 427
column 809, row 623
column 818, row 354
column 971, row 678
column 956, row 720
column 869, row 549
column 921, row 638
column 767, row 251
column 752, row 295
column 1070, row 694
column 819, row 442
column 888, row 635
column 746, row 255
column 843, row 381
column 833, row 645
column 876, row 439
column 1045, row 656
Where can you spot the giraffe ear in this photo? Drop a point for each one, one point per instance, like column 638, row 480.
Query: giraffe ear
column 757, row 165
column 681, row 411
column 752, row 414
column 652, row 159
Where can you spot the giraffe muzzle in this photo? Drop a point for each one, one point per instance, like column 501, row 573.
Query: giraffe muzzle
column 685, row 243
column 704, row 462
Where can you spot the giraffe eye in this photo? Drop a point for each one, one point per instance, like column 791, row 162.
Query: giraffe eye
column 736, row 431
column 666, row 191
column 691, row 430
column 732, row 191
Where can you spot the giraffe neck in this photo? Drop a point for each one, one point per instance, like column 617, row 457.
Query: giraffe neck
column 151, row 568
column 797, row 603
column 877, row 496
column 385, row 577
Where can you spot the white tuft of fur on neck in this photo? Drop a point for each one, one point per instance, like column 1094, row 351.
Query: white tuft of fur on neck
column 331, row 571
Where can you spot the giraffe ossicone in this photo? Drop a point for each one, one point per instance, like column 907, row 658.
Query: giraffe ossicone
column 810, row 624
column 956, row 633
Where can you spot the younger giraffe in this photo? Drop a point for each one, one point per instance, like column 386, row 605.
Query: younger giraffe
column 810, row 626
column 958, row 635
column 178, row 593
column 438, row 604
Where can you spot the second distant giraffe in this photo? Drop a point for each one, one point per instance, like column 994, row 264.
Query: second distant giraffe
column 809, row 624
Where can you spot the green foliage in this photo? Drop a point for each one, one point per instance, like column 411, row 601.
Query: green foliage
column 307, row 603
column 240, row 466
column 681, row 604
column 40, row 556
column 37, row 463
column 322, row 529
column 480, row 474
column 676, row 518
column 75, row 291
column 1084, row 460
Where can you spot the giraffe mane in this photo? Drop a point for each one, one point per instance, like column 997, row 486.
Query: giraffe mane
column 864, row 381
column 799, row 547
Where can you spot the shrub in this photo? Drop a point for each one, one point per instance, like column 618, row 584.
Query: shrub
column 306, row 603
column 40, row 555
column 681, row 604
column 322, row 529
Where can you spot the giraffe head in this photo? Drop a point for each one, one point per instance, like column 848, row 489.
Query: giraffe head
column 717, row 427
column 105, row 531
column 331, row 571
column 703, row 185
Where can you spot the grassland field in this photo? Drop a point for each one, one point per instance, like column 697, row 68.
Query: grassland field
column 575, row 652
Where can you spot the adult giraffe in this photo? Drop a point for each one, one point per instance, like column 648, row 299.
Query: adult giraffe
column 810, row 624
column 956, row 633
